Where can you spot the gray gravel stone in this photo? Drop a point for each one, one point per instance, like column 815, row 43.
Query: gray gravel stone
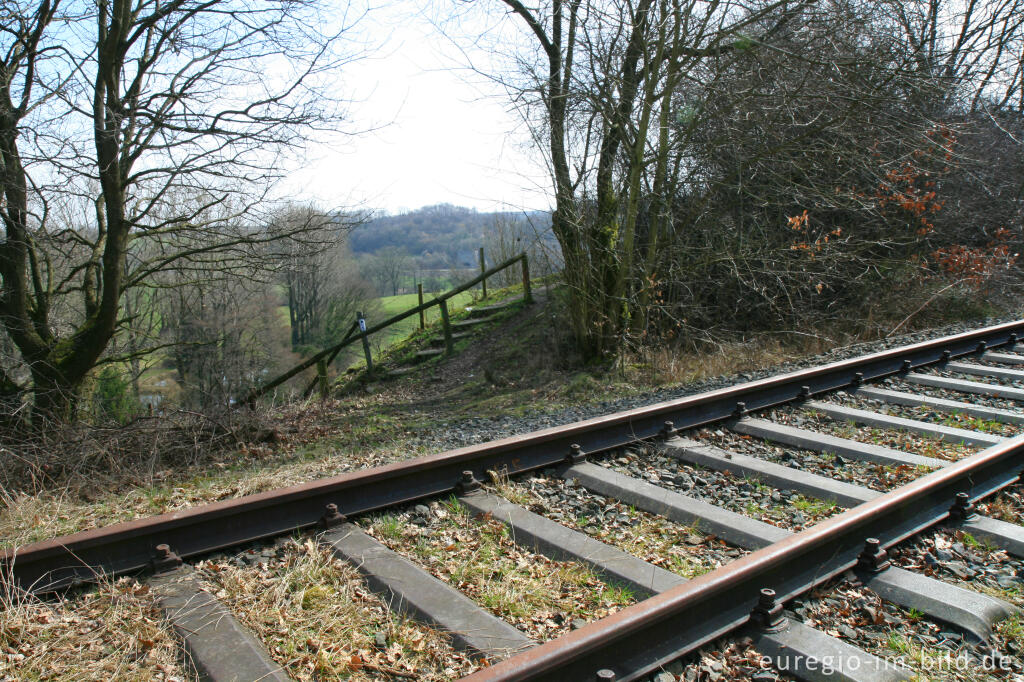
column 722, row 489
column 455, row 434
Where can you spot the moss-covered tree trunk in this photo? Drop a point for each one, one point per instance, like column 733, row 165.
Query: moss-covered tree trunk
column 59, row 365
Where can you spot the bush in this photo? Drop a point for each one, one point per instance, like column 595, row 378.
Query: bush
column 112, row 399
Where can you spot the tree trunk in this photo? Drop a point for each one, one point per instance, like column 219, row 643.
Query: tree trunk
column 55, row 397
column 10, row 401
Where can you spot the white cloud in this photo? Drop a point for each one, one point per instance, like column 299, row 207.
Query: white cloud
column 441, row 138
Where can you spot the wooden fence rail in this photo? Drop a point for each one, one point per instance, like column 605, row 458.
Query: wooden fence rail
column 351, row 337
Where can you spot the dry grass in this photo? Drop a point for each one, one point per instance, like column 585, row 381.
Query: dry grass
column 661, row 364
column 319, row 621
column 1007, row 506
column 77, row 477
column 1012, row 628
column 77, row 480
column 84, row 457
column 26, row 518
column 113, row 631
column 538, row 595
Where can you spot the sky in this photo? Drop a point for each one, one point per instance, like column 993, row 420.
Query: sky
column 438, row 133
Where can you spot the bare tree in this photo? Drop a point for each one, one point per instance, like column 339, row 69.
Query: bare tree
column 387, row 268
column 821, row 174
column 509, row 235
column 973, row 48
column 304, row 270
column 324, row 286
column 137, row 137
column 598, row 93
column 505, row 238
column 223, row 337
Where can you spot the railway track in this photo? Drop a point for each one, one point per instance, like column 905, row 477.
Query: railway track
column 700, row 463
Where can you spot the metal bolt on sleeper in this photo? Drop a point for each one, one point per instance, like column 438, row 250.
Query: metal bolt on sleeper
column 768, row 612
column 874, row 558
column 963, row 508
column 165, row 560
column 332, row 517
column 576, row 454
column 467, row 483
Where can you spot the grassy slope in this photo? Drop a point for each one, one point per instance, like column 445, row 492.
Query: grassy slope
column 388, row 307
column 392, row 305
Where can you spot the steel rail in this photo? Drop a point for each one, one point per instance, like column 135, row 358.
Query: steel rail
column 647, row 635
column 130, row 546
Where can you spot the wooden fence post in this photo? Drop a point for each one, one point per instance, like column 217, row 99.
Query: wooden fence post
column 321, row 376
column 448, row 344
column 423, row 313
column 351, row 336
column 527, row 292
column 366, row 343
column 483, row 269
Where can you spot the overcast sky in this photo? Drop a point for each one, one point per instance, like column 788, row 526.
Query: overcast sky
column 444, row 135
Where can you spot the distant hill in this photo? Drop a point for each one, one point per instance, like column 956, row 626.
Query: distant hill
column 442, row 232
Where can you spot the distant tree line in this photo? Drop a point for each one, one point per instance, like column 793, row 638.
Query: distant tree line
column 438, row 234
column 438, row 245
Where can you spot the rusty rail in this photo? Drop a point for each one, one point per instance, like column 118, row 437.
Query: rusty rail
column 130, row 546
column 649, row 634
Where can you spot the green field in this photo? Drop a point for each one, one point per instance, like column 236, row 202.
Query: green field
column 389, row 306
column 392, row 305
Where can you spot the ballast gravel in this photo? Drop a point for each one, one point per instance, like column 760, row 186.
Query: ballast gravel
column 958, row 558
column 897, row 384
column 895, row 439
column 923, row 413
column 995, row 381
column 725, row 659
column 848, row 610
column 880, row 477
column 454, row 434
column 782, row 508
column 680, row 549
column 1003, row 365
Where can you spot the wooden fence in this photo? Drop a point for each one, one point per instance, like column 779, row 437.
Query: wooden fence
column 359, row 330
